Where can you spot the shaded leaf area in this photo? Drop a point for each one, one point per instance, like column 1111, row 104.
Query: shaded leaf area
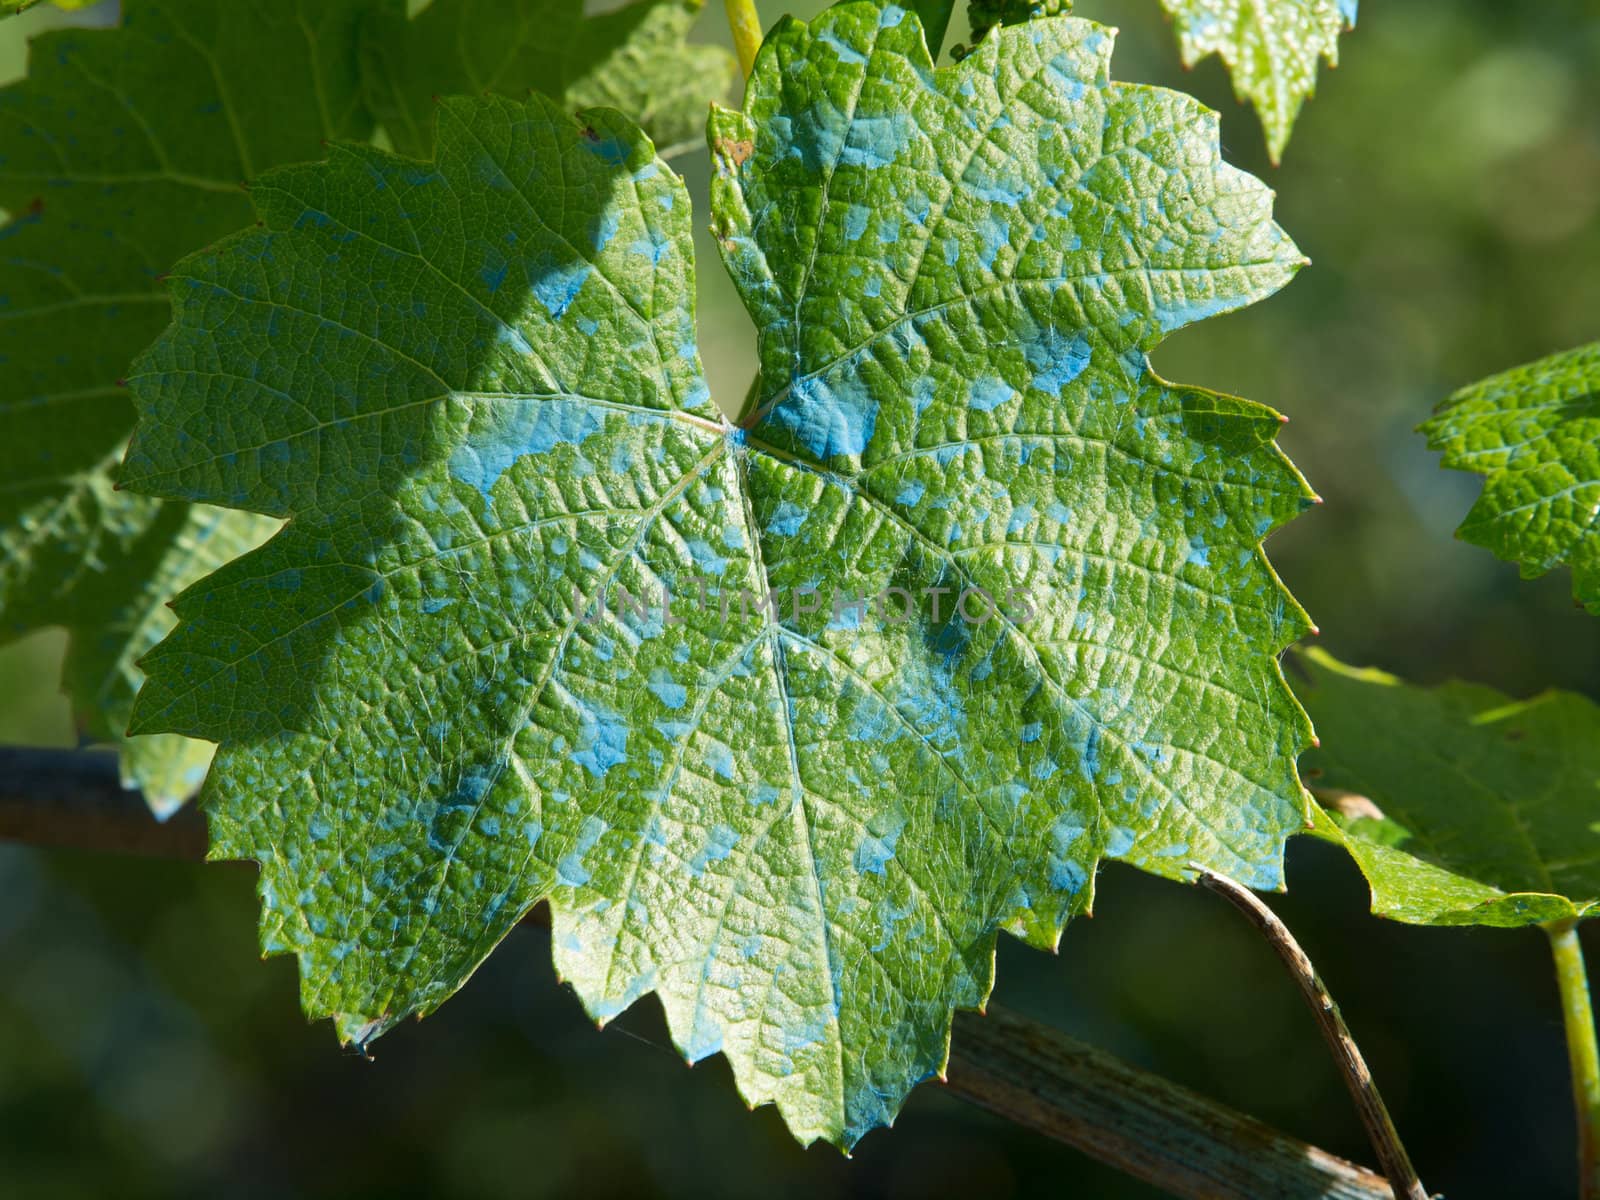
column 934, row 16
column 798, row 817
column 1461, row 805
column 123, row 150
column 1533, row 432
column 634, row 58
column 114, row 626
column 1270, row 47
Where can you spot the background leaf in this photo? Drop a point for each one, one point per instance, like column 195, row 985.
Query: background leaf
column 984, row 15
column 113, row 626
column 1270, row 47
column 935, row 18
column 1461, row 805
column 473, row 385
column 123, row 150
column 9, row 7
column 1534, row 433
column 634, row 58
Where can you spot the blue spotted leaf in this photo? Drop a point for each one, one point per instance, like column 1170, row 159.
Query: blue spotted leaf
column 956, row 277
column 787, row 717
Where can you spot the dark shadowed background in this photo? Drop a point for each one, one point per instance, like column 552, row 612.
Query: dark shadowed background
column 1446, row 184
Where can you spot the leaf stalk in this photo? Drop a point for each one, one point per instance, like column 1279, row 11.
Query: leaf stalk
column 745, row 23
column 1577, row 1014
column 1374, row 1114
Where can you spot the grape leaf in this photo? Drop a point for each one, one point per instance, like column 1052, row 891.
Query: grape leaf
column 1008, row 275
column 634, row 58
column 1270, row 48
column 123, row 150
column 1534, row 433
column 473, row 385
column 1461, row 805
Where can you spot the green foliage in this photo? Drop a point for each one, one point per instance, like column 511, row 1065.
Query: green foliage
column 122, row 151
column 113, row 626
column 1270, row 47
column 984, row 15
column 632, row 58
column 1534, row 433
column 127, row 149
column 1461, row 805
column 11, row 7
column 473, row 384
column 935, row 18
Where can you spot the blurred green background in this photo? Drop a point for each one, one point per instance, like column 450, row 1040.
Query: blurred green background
column 1446, row 183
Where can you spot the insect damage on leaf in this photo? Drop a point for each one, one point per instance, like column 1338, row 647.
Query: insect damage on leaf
column 732, row 153
column 1495, row 825
column 1533, row 432
column 785, row 720
column 123, row 150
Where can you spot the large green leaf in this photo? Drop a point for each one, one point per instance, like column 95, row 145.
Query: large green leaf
column 473, row 384
column 122, row 151
column 1534, row 432
column 1270, row 47
column 634, row 58
column 1461, row 805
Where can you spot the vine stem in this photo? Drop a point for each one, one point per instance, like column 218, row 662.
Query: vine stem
column 1028, row 1073
column 1578, row 1017
column 746, row 26
column 1357, row 1078
column 1143, row 1125
column 75, row 799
